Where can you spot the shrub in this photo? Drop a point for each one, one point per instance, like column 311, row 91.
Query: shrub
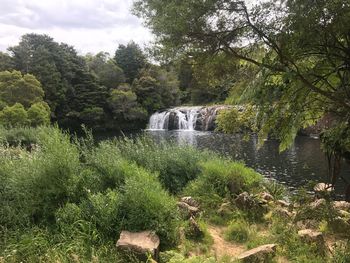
column 39, row 114
column 237, row 120
column 42, row 181
column 104, row 211
column 146, row 206
column 221, row 178
column 238, row 231
column 14, row 116
column 277, row 190
column 176, row 165
column 21, row 136
column 341, row 253
column 105, row 168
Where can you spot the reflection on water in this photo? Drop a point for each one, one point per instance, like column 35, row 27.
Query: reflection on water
column 295, row 167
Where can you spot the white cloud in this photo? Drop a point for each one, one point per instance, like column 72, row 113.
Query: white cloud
column 88, row 25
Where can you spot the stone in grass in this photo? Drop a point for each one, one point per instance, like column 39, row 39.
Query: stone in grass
column 259, row 254
column 312, row 236
column 139, row 243
column 282, row 212
column 342, row 205
column 187, row 210
column 194, row 230
column 190, row 201
column 225, row 209
column 266, row 196
column 245, row 201
column 323, row 187
column 282, row 203
column 322, row 190
column 307, row 224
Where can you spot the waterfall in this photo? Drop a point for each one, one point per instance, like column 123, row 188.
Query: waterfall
column 185, row 118
column 159, row 121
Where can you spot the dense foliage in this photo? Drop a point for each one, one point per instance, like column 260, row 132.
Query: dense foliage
column 73, row 197
column 89, row 90
column 21, row 100
column 297, row 52
column 65, row 199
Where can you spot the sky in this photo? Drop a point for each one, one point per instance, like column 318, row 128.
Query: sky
column 88, row 25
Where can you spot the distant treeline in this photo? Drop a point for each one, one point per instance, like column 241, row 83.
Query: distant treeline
column 101, row 91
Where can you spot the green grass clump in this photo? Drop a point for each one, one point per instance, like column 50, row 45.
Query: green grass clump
column 176, row 165
column 20, row 136
column 238, row 231
column 219, row 179
column 341, row 253
column 146, row 205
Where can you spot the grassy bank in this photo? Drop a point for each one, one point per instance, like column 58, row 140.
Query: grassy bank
column 64, row 199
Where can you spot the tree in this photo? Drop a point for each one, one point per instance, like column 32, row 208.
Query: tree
column 71, row 91
column 39, row 114
column 50, row 62
column 304, row 71
column 85, row 98
column 131, row 60
column 18, row 88
column 156, row 88
column 148, row 93
column 13, row 116
column 124, row 105
column 105, row 69
column 6, row 62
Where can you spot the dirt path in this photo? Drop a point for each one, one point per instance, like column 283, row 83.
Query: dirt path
column 221, row 247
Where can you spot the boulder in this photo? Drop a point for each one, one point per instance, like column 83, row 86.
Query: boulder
column 187, row 210
column 342, row 205
column 282, row 212
column 190, row 201
column 323, row 187
column 312, row 236
column 139, row 243
column 266, row 196
column 307, row 224
column 260, row 254
column 318, row 204
column 282, row 203
column 245, row 201
column 194, row 230
column 344, row 214
column 322, row 190
column 225, row 209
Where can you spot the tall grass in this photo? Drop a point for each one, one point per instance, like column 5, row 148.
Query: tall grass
column 176, row 165
column 70, row 197
column 221, row 178
column 67, row 199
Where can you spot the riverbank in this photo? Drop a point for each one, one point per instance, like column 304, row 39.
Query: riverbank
column 66, row 199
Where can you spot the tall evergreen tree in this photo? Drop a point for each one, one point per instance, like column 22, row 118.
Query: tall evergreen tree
column 131, row 60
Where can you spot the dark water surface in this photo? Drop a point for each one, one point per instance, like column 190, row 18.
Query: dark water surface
column 302, row 163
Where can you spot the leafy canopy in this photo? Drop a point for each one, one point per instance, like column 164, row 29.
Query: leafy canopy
column 304, row 69
column 24, row 89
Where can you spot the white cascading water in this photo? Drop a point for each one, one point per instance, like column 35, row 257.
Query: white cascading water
column 159, row 121
column 186, row 117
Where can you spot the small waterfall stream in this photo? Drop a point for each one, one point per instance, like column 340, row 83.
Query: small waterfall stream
column 185, row 118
